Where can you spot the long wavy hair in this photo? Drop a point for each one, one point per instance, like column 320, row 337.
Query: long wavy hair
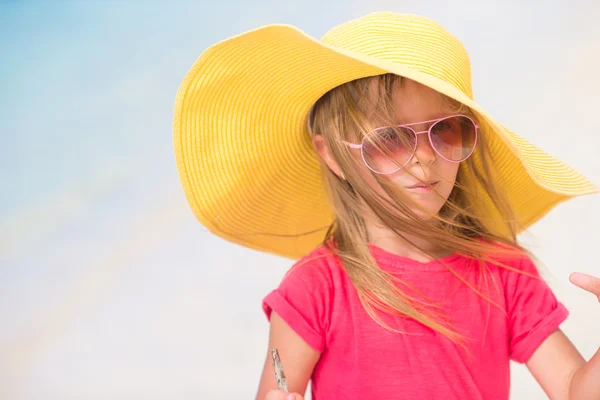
column 345, row 114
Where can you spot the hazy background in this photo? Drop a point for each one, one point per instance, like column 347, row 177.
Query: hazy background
column 110, row 289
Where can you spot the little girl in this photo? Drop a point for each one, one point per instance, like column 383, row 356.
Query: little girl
column 364, row 156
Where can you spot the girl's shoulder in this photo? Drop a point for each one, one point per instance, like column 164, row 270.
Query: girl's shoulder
column 512, row 260
column 321, row 262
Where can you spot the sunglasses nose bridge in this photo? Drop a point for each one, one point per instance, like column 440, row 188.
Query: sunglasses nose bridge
column 427, row 141
column 423, row 150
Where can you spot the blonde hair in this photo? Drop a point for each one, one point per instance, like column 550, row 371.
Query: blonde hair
column 341, row 115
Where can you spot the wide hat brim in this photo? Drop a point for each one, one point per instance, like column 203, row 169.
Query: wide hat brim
column 245, row 158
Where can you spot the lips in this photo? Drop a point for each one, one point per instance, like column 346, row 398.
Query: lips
column 425, row 185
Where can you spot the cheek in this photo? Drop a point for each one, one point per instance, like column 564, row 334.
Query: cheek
column 367, row 176
column 447, row 174
column 448, row 171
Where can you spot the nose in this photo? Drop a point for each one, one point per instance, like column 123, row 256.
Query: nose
column 424, row 153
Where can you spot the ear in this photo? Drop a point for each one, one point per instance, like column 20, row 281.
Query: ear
column 322, row 150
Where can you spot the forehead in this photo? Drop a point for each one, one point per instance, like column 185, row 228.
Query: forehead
column 413, row 102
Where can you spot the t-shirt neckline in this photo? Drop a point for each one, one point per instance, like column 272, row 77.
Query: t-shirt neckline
column 385, row 258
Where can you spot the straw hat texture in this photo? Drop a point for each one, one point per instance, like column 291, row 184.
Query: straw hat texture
column 244, row 154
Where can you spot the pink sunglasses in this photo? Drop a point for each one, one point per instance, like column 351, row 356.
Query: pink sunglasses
column 385, row 150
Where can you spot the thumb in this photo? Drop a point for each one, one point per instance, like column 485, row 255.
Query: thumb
column 294, row 396
column 586, row 282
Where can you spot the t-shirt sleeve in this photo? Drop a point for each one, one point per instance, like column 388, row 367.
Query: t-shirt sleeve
column 533, row 310
column 302, row 300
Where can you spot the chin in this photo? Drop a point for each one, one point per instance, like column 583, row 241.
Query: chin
column 428, row 214
column 424, row 215
column 429, row 203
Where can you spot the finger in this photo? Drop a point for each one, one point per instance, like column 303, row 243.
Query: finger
column 586, row 282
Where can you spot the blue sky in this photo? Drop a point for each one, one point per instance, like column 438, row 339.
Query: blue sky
column 105, row 276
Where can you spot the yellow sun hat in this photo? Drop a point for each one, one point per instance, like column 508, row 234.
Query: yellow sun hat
column 244, row 154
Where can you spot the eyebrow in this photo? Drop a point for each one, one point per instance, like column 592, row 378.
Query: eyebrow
column 433, row 117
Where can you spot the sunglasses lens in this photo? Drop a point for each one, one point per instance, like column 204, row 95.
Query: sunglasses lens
column 385, row 150
column 454, row 137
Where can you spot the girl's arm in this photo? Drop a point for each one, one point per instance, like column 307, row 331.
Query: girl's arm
column 554, row 364
column 559, row 368
column 297, row 357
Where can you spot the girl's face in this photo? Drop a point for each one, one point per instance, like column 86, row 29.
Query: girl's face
column 414, row 103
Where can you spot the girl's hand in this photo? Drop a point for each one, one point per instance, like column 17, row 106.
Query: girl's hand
column 584, row 382
column 560, row 369
column 279, row 395
column 586, row 282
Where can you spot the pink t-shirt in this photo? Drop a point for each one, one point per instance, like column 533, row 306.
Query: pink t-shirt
column 362, row 360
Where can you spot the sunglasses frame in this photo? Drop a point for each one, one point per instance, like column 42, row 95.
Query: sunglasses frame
column 428, row 131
